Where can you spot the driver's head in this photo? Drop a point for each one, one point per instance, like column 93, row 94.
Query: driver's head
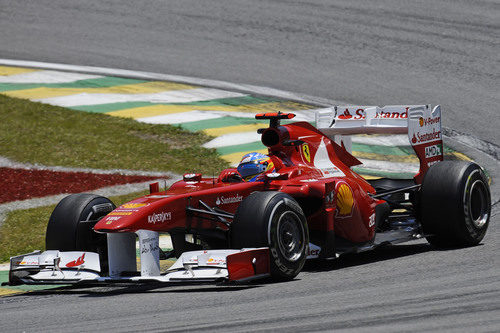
column 253, row 166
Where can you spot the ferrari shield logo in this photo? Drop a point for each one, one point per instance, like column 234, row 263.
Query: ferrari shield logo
column 306, row 152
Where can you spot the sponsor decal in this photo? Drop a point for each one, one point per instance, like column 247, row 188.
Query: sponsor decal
column 393, row 115
column 345, row 200
column 216, row 261
column 346, row 114
column 111, row 219
column 421, row 121
column 29, row 263
column 434, row 150
column 79, row 261
column 133, row 205
column 160, row 217
column 308, row 180
column 360, row 114
column 120, row 213
column 371, row 221
column 282, row 267
column 429, row 121
column 149, row 245
column 425, row 137
column 306, row 152
column 228, row 200
column 431, row 163
column 273, row 175
column 314, row 252
column 332, row 171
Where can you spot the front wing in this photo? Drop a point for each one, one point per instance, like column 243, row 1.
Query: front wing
column 77, row 267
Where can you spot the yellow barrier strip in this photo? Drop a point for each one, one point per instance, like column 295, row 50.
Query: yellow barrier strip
column 5, row 70
column 139, row 88
column 461, row 156
column 6, row 292
column 369, row 177
column 158, row 110
column 388, row 158
column 233, row 129
column 235, row 158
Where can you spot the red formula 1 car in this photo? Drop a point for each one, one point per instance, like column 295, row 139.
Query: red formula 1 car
column 301, row 201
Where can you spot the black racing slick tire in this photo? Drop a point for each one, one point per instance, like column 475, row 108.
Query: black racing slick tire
column 455, row 204
column 71, row 225
column 274, row 220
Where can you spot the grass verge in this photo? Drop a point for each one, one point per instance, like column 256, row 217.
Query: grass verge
column 23, row 231
column 39, row 133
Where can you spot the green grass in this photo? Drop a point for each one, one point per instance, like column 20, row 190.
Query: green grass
column 23, row 231
column 38, row 133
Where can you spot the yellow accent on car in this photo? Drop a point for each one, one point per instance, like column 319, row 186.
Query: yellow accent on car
column 345, row 200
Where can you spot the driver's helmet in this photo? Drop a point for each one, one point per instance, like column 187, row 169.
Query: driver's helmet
column 253, row 166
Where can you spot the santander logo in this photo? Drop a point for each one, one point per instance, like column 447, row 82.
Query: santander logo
column 346, row 114
column 228, row 200
column 360, row 114
column 425, row 137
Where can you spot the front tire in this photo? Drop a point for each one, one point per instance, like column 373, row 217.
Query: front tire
column 71, row 224
column 274, row 220
column 455, row 204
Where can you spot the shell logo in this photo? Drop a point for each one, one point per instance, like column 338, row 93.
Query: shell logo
column 421, row 121
column 133, row 205
column 345, row 200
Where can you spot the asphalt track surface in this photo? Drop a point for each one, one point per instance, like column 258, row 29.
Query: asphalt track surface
column 365, row 52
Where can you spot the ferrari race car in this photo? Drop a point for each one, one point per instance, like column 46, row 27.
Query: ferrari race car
column 301, row 201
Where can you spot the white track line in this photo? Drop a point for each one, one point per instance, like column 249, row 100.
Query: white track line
column 264, row 91
column 46, row 77
column 389, row 166
column 7, row 163
column 181, row 117
column 196, row 115
column 174, row 96
column 382, row 140
column 300, row 115
column 233, row 139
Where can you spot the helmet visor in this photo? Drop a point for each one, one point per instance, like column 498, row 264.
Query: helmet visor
column 251, row 168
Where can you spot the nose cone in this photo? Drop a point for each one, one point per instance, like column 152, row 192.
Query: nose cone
column 150, row 213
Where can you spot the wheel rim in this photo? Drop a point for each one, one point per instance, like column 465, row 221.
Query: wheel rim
column 290, row 236
column 478, row 205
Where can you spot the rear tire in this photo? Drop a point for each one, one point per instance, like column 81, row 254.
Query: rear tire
column 455, row 204
column 71, row 225
column 274, row 220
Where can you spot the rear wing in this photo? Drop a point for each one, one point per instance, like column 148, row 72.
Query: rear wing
column 421, row 122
